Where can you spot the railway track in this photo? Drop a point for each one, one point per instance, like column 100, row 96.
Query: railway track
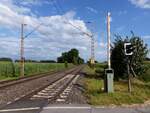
column 7, row 83
column 52, row 87
column 58, row 91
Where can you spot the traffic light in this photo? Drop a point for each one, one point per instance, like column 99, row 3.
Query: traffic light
column 128, row 47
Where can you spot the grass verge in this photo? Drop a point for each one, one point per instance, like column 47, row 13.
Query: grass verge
column 96, row 96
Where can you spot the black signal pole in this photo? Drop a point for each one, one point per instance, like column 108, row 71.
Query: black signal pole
column 128, row 52
column 129, row 75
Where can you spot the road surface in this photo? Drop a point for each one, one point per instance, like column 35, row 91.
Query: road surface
column 74, row 109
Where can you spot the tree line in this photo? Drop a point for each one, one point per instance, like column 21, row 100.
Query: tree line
column 28, row 60
column 71, row 56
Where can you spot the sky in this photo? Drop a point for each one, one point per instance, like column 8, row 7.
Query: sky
column 56, row 20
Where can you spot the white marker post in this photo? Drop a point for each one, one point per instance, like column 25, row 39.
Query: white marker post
column 109, row 73
column 108, row 39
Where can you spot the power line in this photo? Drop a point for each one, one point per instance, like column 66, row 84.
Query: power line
column 60, row 6
column 60, row 10
column 56, row 7
column 36, row 28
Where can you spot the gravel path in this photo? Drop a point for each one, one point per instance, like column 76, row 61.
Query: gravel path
column 76, row 96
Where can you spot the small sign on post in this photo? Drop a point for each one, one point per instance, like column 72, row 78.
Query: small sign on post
column 128, row 48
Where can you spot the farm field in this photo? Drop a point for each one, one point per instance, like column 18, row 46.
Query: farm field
column 9, row 70
column 94, row 86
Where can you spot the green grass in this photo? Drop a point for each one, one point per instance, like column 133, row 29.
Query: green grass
column 9, row 70
column 96, row 96
column 96, row 72
column 87, row 70
column 7, row 78
column 146, row 75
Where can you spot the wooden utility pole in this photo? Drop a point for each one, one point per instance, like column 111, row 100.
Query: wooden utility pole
column 22, row 52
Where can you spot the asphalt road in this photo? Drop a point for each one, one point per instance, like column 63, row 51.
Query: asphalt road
column 72, row 109
column 90, row 109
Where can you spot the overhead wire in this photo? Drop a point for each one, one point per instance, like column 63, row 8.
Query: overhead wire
column 35, row 29
column 60, row 11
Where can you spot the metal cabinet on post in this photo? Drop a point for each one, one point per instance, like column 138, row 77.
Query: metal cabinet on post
column 108, row 81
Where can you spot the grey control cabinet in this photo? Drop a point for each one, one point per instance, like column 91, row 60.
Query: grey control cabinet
column 108, row 81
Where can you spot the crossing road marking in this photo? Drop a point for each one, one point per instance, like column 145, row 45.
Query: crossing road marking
column 60, row 100
column 67, row 107
column 36, row 108
column 20, row 109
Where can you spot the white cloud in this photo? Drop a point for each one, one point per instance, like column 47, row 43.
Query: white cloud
column 9, row 46
column 102, row 45
column 101, row 54
column 141, row 3
column 33, row 2
column 146, row 37
column 92, row 9
column 53, row 37
column 8, row 17
column 16, row 8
